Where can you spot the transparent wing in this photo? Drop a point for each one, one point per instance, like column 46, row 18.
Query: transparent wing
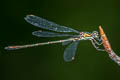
column 48, row 34
column 45, row 24
column 70, row 51
column 66, row 42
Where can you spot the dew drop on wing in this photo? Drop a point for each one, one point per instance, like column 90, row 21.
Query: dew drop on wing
column 70, row 51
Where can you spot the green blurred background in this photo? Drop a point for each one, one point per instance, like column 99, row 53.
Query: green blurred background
column 46, row 62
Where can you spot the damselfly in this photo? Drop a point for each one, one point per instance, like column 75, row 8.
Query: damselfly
column 108, row 48
column 73, row 41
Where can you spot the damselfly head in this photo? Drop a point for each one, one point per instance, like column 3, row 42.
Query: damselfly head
column 95, row 34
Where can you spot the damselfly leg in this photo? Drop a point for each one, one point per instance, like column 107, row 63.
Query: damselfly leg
column 97, row 48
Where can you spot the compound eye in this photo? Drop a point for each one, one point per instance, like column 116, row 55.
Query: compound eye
column 95, row 32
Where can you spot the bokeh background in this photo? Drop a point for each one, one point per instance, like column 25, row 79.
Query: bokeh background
column 46, row 62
